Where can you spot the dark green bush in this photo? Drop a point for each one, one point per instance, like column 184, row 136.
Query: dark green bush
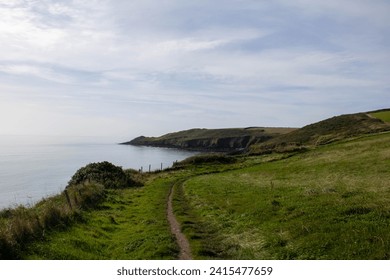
column 206, row 158
column 137, row 178
column 105, row 173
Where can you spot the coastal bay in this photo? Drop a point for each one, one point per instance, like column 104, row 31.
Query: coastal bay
column 32, row 168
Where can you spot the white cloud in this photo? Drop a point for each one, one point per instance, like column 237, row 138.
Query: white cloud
column 36, row 71
column 191, row 62
column 374, row 11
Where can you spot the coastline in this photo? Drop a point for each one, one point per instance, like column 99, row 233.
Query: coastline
column 32, row 172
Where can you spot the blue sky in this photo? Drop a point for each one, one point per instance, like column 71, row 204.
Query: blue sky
column 119, row 69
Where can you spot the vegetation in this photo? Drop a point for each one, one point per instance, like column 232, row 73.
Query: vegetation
column 87, row 189
column 105, row 173
column 321, row 192
column 383, row 115
column 130, row 224
column 323, row 132
column 261, row 140
column 20, row 226
column 329, row 203
column 205, row 158
column 228, row 139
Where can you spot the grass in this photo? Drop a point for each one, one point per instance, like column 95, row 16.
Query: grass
column 329, row 203
column 87, row 189
column 382, row 115
column 130, row 224
column 227, row 139
column 21, row 226
column 322, row 133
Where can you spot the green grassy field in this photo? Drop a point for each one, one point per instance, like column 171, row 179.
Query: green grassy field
column 130, row 224
column 329, row 202
column 383, row 115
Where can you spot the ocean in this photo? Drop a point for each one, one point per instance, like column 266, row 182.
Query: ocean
column 32, row 168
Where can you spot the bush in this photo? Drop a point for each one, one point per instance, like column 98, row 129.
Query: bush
column 206, row 158
column 137, row 178
column 105, row 173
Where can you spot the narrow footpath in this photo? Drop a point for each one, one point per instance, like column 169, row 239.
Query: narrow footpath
column 184, row 245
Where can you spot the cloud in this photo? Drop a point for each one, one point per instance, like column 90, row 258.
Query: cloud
column 192, row 63
column 375, row 11
column 41, row 72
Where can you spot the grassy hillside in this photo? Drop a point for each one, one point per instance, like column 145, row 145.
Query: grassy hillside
column 212, row 139
column 383, row 115
column 325, row 132
column 329, row 203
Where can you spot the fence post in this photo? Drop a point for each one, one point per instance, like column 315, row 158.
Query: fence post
column 150, row 167
column 161, row 166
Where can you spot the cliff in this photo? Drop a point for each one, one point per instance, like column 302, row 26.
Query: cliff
column 229, row 139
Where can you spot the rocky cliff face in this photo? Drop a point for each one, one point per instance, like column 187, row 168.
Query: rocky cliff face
column 211, row 140
column 212, row 144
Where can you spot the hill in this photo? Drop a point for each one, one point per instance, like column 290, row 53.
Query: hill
column 202, row 139
column 383, row 115
column 258, row 140
column 327, row 131
column 330, row 202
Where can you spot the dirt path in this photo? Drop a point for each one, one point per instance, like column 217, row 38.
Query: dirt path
column 185, row 251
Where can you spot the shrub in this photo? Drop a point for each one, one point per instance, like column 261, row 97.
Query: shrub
column 135, row 177
column 105, row 173
column 206, row 158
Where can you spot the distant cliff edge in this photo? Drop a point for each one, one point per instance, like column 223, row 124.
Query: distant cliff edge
column 201, row 139
column 259, row 140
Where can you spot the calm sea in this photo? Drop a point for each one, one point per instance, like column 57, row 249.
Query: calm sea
column 35, row 167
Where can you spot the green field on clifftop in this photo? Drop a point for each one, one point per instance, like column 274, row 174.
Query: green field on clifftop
column 383, row 115
column 329, row 203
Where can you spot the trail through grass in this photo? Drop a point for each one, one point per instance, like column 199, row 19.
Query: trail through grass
column 131, row 224
column 329, row 203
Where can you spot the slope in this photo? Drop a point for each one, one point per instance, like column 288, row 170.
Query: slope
column 331, row 202
column 324, row 132
column 227, row 139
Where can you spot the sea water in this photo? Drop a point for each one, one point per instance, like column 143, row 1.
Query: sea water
column 32, row 168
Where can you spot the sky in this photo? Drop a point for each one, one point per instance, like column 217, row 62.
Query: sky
column 120, row 69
